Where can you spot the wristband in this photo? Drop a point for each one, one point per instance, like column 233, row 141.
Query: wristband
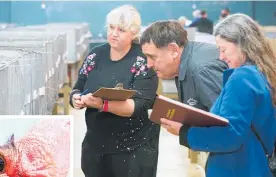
column 105, row 106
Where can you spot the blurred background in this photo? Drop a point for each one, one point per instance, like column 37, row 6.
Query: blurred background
column 94, row 12
column 43, row 44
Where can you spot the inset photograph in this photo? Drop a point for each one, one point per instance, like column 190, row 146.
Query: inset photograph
column 36, row 146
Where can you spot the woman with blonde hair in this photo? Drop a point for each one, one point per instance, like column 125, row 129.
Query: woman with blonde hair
column 183, row 21
column 120, row 140
column 247, row 100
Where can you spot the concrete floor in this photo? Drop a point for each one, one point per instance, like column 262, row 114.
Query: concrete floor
column 173, row 158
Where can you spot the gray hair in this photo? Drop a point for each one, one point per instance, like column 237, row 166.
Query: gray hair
column 246, row 33
column 238, row 29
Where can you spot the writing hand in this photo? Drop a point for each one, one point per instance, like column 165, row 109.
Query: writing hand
column 77, row 102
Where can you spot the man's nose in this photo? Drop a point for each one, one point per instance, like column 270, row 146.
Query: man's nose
column 150, row 64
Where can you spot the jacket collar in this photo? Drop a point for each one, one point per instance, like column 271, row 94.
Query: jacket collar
column 185, row 56
column 228, row 72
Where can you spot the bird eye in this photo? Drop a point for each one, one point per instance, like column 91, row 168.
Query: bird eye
column 2, row 164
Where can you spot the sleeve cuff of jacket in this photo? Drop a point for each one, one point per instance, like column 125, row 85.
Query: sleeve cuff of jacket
column 183, row 135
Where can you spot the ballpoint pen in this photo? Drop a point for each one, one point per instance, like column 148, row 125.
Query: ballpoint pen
column 84, row 92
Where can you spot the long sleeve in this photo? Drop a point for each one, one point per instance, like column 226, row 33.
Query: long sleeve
column 82, row 75
column 78, row 88
column 146, row 84
column 238, row 101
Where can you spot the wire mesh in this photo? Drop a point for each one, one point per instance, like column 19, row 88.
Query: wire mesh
column 33, row 66
column 43, row 71
column 12, row 88
column 77, row 36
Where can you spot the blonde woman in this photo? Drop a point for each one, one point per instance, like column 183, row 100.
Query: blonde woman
column 183, row 21
column 120, row 140
column 247, row 100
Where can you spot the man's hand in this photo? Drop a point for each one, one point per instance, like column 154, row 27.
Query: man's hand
column 91, row 101
column 171, row 126
column 77, row 103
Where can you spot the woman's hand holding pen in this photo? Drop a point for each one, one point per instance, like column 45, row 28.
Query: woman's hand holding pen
column 77, row 102
column 91, row 101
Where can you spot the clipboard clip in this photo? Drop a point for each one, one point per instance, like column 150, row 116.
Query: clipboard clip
column 119, row 86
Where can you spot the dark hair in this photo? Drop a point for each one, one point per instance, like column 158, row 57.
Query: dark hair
column 226, row 9
column 203, row 12
column 162, row 33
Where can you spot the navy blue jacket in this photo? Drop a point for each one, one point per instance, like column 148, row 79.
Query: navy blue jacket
column 235, row 150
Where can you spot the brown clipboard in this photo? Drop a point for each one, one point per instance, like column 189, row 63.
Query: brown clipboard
column 114, row 94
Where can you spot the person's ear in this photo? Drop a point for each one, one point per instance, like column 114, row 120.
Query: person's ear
column 174, row 49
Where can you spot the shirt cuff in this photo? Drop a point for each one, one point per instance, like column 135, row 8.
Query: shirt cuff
column 183, row 135
column 71, row 96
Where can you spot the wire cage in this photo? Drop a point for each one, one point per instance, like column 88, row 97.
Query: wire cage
column 33, row 64
column 12, row 89
column 44, row 70
column 77, row 37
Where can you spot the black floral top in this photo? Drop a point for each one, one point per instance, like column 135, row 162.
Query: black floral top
column 108, row 132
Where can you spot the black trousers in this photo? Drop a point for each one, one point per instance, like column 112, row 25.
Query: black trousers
column 141, row 162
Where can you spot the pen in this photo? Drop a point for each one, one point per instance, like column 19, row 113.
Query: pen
column 84, row 92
